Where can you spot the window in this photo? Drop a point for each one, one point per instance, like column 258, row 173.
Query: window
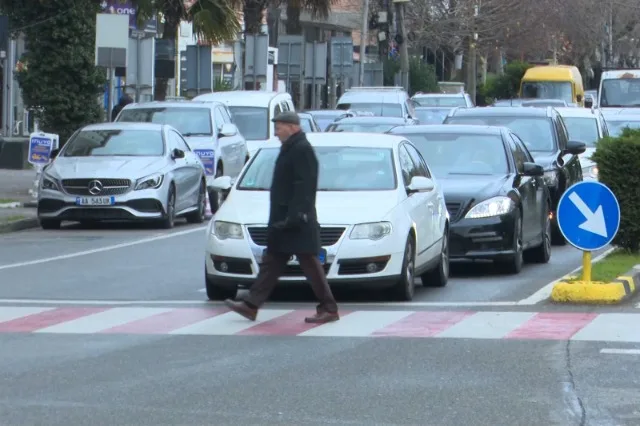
column 179, row 142
column 253, row 122
column 548, row 90
column 226, row 115
column 121, row 143
column 461, row 154
column 217, row 114
column 406, row 165
column 277, row 110
column 523, row 147
column 519, row 156
column 285, row 106
column 188, row 121
column 441, row 101
column 378, row 109
column 420, row 166
column 339, row 169
column 620, row 92
column 536, row 132
column 583, row 129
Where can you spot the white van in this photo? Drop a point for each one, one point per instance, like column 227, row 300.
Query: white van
column 252, row 112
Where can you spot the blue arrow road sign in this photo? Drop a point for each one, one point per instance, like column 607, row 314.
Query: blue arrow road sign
column 589, row 215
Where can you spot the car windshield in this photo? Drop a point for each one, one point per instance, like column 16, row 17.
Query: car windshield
column 361, row 127
column 188, row 121
column 535, row 132
column 620, row 92
column 434, row 101
column 253, row 122
column 339, row 169
column 106, row 143
column 461, row 154
column 431, row 115
column 582, row 129
column 547, row 90
column 378, row 109
column 617, row 126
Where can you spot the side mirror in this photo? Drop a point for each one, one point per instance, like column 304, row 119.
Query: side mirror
column 579, row 98
column 222, row 183
column 54, row 154
column 575, row 147
column 420, row 184
column 532, row 169
column 227, row 130
column 177, row 153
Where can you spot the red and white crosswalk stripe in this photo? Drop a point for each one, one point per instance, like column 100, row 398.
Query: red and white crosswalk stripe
column 612, row 327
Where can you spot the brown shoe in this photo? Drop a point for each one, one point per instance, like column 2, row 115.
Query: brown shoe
column 322, row 318
column 242, row 308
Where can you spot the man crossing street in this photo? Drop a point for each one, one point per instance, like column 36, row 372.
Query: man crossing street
column 293, row 227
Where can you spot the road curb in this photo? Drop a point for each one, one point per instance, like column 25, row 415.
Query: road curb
column 19, row 225
column 604, row 293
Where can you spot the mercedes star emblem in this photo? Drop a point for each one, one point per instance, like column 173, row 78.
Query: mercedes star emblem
column 95, row 187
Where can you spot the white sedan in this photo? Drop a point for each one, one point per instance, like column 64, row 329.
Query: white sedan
column 382, row 215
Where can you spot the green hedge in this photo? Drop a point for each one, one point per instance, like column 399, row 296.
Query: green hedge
column 618, row 161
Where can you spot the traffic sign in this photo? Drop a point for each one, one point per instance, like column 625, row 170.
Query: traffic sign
column 588, row 215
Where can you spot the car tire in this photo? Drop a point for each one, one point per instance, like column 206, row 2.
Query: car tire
column 216, row 198
column 542, row 253
column 50, row 224
column 514, row 265
column 439, row 276
column 404, row 288
column 169, row 219
column 198, row 215
column 216, row 292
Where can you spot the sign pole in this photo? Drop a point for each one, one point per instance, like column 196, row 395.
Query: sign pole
column 586, row 266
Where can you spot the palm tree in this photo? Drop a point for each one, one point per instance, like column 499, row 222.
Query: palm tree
column 254, row 9
column 214, row 21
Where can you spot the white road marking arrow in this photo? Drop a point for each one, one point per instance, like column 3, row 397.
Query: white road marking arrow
column 595, row 220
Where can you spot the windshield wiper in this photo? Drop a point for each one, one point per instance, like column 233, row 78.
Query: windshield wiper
column 253, row 189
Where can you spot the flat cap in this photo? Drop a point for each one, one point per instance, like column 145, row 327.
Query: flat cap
column 288, row 117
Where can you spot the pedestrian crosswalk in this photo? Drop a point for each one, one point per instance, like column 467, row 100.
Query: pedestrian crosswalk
column 217, row 321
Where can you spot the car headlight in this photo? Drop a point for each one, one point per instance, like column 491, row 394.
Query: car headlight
column 150, row 182
column 49, row 183
column 370, row 231
column 591, row 171
column 225, row 230
column 496, row 206
column 551, row 178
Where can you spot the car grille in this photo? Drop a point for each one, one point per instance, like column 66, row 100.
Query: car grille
column 328, row 235
column 109, row 186
column 454, row 210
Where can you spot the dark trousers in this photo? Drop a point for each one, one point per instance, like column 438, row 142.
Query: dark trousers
column 271, row 269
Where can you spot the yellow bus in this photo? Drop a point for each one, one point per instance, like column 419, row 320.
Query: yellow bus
column 553, row 82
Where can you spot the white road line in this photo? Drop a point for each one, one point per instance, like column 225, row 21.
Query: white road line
column 102, row 321
column 620, row 351
column 103, row 249
column 618, row 327
column 545, row 292
column 487, row 325
column 9, row 313
column 358, row 324
column 203, row 301
column 228, row 324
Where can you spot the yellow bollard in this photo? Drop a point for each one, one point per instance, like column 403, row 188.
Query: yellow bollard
column 586, row 267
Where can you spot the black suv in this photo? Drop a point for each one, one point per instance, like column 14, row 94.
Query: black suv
column 544, row 133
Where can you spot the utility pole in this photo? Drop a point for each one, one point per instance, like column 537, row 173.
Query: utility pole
column 473, row 62
column 364, row 35
column 610, row 56
column 404, row 48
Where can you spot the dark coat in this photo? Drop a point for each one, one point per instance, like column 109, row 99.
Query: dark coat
column 124, row 101
column 293, row 199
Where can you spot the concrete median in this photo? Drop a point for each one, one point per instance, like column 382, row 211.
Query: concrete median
column 569, row 290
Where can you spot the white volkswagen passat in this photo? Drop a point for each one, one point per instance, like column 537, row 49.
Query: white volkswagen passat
column 382, row 216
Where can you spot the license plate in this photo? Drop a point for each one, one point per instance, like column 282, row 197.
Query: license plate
column 95, row 201
column 293, row 261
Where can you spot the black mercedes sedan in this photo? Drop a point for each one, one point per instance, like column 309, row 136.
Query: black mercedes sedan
column 545, row 135
column 494, row 191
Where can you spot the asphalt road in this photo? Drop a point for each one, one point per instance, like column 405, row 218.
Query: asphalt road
column 133, row 263
column 81, row 375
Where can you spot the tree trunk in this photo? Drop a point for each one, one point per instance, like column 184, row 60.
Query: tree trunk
column 170, row 32
column 293, row 27
column 253, row 10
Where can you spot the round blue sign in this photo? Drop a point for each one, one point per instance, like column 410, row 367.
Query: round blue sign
column 588, row 215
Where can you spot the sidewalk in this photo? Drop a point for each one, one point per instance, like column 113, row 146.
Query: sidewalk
column 14, row 192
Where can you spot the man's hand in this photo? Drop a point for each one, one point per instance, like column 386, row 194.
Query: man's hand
column 289, row 223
